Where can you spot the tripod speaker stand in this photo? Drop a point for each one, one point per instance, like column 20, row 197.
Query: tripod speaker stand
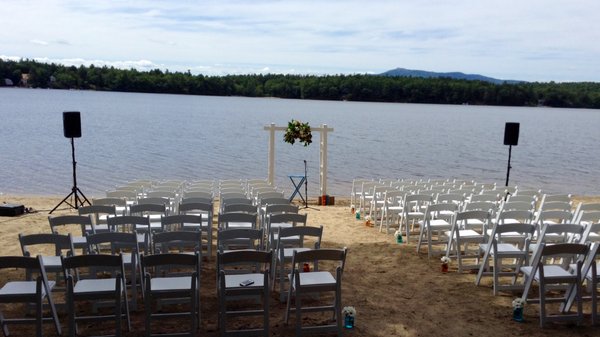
column 511, row 137
column 306, row 189
column 72, row 129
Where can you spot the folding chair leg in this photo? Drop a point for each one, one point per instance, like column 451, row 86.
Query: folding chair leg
column 483, row 267
column 266, row 298
column 298, row 315
column 38, row 311
column 118, row 309
column 288, row 305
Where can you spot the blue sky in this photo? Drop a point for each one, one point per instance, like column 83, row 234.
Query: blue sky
column 533, row 40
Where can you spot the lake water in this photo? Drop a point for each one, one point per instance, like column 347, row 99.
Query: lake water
column 129, row 136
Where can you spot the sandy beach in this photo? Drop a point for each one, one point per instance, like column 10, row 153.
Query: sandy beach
column 395, row 290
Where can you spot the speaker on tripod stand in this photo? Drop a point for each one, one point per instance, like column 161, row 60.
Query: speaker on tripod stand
column 72, row 129
column 511, row 137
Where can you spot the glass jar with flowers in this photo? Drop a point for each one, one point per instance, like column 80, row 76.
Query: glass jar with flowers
column 349, row 313
column 398, row 236
column 518, row 304
column 445, row 261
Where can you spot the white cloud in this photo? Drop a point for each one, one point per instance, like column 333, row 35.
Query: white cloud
column 530, row 40
column 39, row 42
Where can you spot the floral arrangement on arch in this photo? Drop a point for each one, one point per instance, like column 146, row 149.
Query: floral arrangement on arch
column 298, row 130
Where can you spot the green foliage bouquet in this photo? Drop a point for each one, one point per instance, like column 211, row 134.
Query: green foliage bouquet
column 298, row 130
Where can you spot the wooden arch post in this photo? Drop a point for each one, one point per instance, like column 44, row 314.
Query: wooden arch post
column 323, row 130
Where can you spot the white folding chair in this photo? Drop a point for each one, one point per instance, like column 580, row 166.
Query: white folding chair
column 87, row 281
column 316, row 281
column 469, row 227
column 119, row 203
column 233, row 287
column 34, row 244
column 27, row 291
column 99, row 215
column 131, row 224
column 515, row 249
column 437, row 221
column 548, row 275
column 413, row 211
column 284, row 250
column 391, row 209
column 205, row 210
column 64, row 224
column 589, row 273
column 172, row 277
column 126, row 245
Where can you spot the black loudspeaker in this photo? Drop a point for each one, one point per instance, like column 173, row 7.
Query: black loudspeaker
column 511, row 134
column 72, row 124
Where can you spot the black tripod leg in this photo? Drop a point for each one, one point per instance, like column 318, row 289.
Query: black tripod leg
column 64, row 201
column 81, row 202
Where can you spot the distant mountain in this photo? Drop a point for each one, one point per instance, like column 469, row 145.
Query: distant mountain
column 402, row 72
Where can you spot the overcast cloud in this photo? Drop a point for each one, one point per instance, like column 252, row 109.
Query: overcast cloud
column 534, row 40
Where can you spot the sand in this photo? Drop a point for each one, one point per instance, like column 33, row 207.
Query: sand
column 396, row 292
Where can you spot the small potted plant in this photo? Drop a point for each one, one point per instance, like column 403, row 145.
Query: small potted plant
column 349, row 313
column 398, row 236
column 445, row 261
column 518, row 304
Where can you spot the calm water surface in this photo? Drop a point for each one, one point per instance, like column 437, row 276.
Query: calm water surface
column 128, row 136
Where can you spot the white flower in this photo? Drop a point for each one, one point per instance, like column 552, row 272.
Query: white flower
column 397, row 234
column 518, row 303
column 349, row 311
column 445, row 260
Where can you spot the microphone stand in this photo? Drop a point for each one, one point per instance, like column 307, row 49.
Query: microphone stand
column 306, row 188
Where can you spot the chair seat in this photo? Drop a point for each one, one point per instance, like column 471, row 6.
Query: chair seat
column 194, row 226
column 204, row 215
column 468, row 235
column 239, row 225
column 287, row 238
column 474, row 223
column 95, row 286
column 289, row 252
column 315, row 278
column 20, row 288
column 438, row 224
column 508, row 235
column 281, row 225
column 79, row 241
column 158, row 284
column 52, row 262
column 503, row 249
column 550, row 272
column 411, row 215
column 234, row 280
column 153, row 226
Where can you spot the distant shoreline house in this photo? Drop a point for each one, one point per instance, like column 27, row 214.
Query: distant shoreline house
column 24, row 81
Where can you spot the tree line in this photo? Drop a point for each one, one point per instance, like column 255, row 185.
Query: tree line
column 357, row 87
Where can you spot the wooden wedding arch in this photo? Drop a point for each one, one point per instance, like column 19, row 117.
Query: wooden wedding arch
column 323, row 130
